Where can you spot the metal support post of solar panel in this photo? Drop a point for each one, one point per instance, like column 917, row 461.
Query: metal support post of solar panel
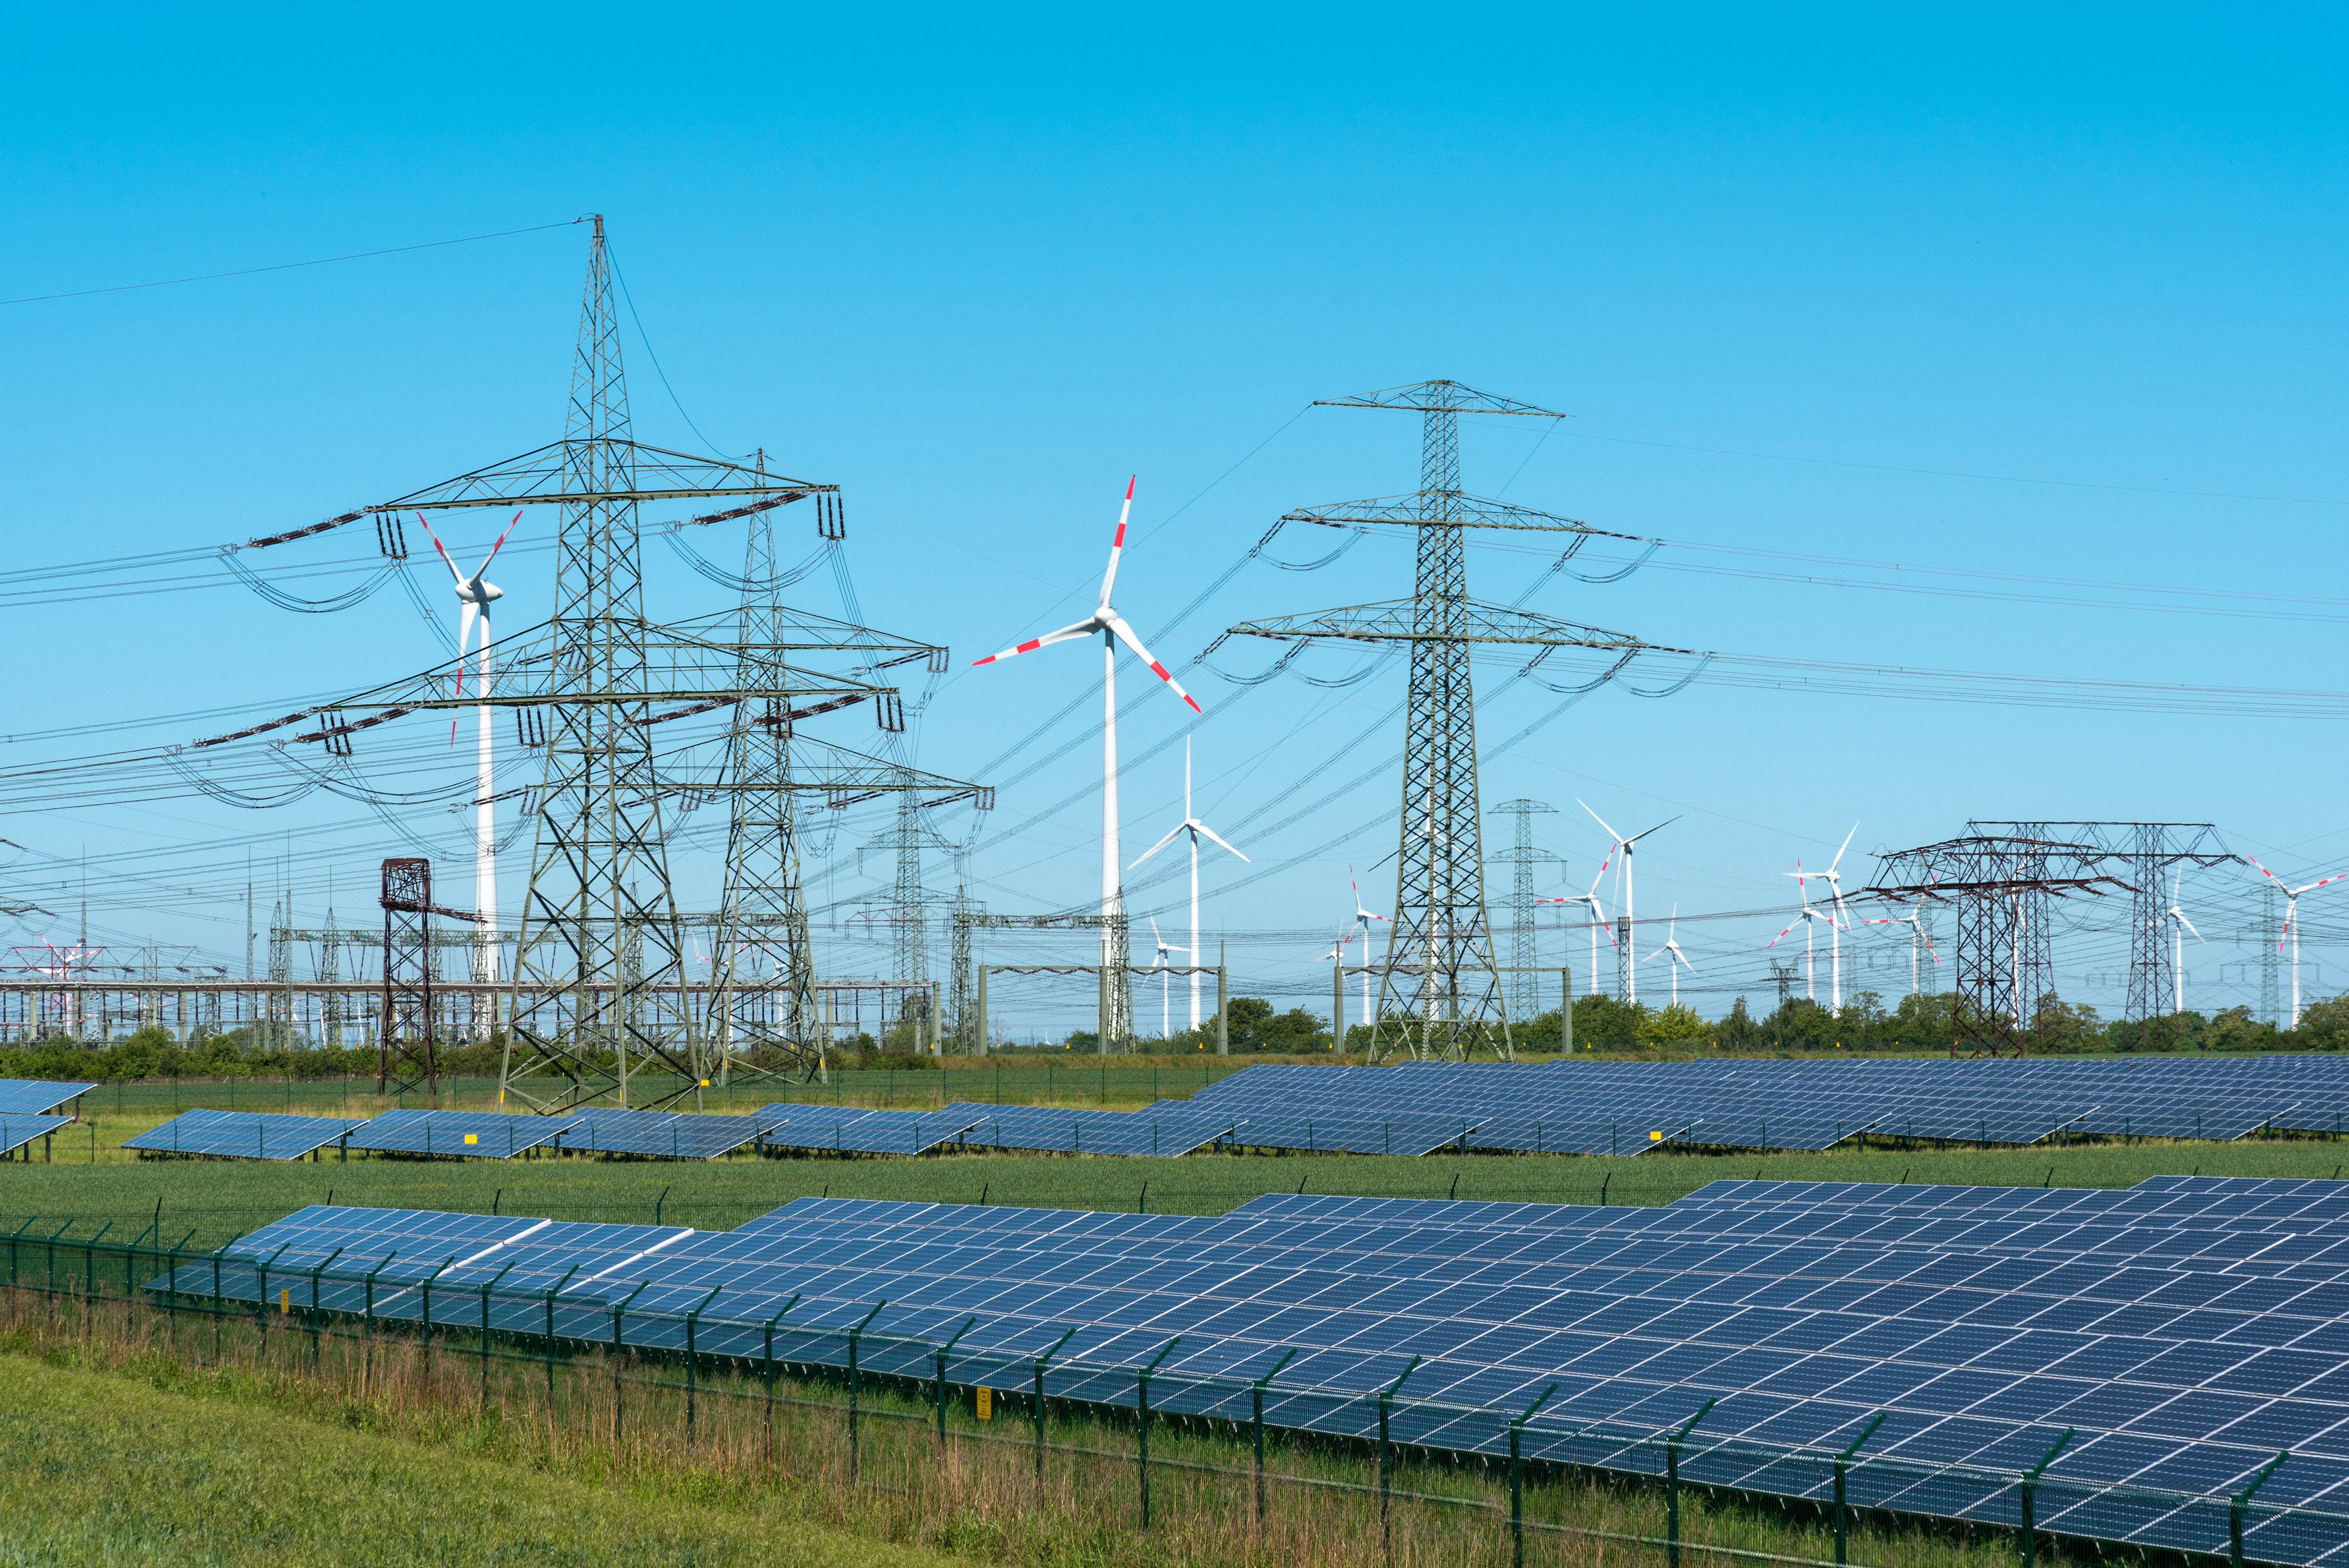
column 2185, row 1330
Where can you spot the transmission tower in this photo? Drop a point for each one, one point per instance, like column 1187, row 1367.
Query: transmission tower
column 1523, row 858
column 405, row 1058
column 2271, row 995
column 1439, row 991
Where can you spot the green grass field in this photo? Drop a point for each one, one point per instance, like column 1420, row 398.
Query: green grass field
column 219, row 1199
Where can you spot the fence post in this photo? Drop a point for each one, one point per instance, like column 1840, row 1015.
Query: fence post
column 367, row 1321
column 1255, row 1391
column 1386, row 1401
column 314, row 1272
column 768, row 1373
column 549, row 1345
column 854, row 1335
column 1672, row 1481
column 693, row 1359
column 1517, row 1479
column 2030, row 1499
column 1843, row 1468
column 1049, row 1351
column 1142, row 1421
column 261, row 1305
column 939, row 1385
column 2242, row 1501
column 424, row 1292
column 486, row 1289
column 618, row 1312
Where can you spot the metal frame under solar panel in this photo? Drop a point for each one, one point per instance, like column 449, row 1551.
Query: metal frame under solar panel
column 241, row 1134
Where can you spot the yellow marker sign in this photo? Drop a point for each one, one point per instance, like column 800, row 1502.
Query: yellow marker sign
column 1655, row 1137
column 472, row 1137
column 705, row 1083
column 986, row 1404
column 284, row 1303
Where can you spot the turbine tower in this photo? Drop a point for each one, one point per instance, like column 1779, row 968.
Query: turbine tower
column 1440, row 991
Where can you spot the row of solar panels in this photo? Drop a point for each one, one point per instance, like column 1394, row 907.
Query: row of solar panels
column 2184, row 1360
column 37, row 1097
column 1813, row 1106
column 484, row 1135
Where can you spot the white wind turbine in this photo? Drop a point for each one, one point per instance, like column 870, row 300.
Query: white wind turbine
column 476, row 593
column 2179, row 926
column 1165, row 1002
column 1598, row 920
column 1676, row 961
column 1195, row 827
column 1361, row 928
column 1914, row 920
column 1631, row 971
column 1114, row 631
column 1840, row 922
column 2292, row 925
column 1804, row 917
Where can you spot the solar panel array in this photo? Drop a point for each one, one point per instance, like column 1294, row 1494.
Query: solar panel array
column 36, row 1097
column 241, row 1135
column 18, row 1130
column 1170, row 1128
column 477, row 1135
column 2187, row 1330
column 1612, row 1108
column 659, row 1134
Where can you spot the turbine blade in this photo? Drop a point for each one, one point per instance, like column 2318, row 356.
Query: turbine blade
column 2190, row 926
column 454, row 574
column 1841, row 848
column 1117, row 626
column 1117, row 545
column 1081, row 628
column 501, row 542
column 1212, row 834
column 1157, row 847
column 1602, row 822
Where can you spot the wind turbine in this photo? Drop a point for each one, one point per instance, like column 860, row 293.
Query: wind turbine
column 1914, row 920
column 1670, row 950
column 1803, row 918
column 1166, row 1012
column 2292, row 925
column 2179, row 926
column 1837, row 923
column 1631, row 974
column 476, row 593
column 1598, row 919
column 1361, row 928
column 1114, row 631
column 1195, row 827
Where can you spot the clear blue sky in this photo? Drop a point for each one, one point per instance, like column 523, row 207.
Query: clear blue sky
column 2020, row 291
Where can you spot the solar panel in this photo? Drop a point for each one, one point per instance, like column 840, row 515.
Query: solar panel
column 36, row 1098
column 17, row 1131
column 847, row 1129
column 241, row 1134
column 481, row 1135
column 659, row 1134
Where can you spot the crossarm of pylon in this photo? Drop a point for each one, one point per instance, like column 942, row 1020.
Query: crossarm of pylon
column 1459, row 511
column 1473, row 621
column 539, row 476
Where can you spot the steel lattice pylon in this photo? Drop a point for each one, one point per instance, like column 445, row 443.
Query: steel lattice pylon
column 405, row 1058
column 1440, row 990
column 1522, row 858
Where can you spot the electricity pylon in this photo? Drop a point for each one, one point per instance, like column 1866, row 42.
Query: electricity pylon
column 600, row 986
column 1439, row 991
column 1522, row 856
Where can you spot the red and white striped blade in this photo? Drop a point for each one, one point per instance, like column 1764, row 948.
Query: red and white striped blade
column 1082, row 628
column 445, row 561
column 1125, row 636
column 1117, row 545
column 500, row 545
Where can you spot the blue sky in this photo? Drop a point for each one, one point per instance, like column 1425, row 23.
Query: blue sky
column 2054, row 295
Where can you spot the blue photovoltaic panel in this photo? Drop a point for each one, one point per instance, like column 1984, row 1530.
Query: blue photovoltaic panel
column 241, row 1135
column 16, row 1131
column 849, row 1130
column 660, row 1135
column 34, row 1098
column 1167, row 1128
column 1804, row 1309
column 492, row 1135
